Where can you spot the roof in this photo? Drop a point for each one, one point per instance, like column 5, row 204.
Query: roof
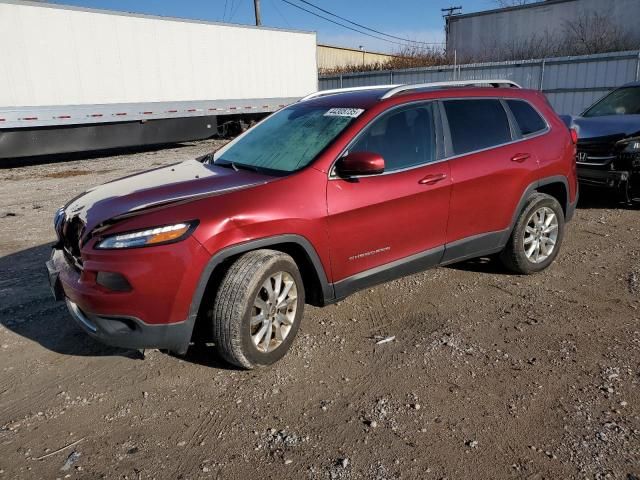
column 366, row 99
column 360, row 99
column 543, row 3
column 141, row 15
column 382, row 92
column 351, row 49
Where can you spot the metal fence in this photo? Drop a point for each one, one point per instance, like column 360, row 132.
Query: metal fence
column 570, row 83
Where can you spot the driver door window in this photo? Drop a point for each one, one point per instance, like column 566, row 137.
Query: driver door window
column 404, row 138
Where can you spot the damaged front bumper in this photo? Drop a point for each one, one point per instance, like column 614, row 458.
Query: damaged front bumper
column 131, row 332
column 154, row 312
column 622, row 173
column 603, row 178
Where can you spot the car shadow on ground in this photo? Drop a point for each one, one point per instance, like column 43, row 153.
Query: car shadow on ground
column 602, row 198
column 490, row 265
column 28, row 309
column 206, row 356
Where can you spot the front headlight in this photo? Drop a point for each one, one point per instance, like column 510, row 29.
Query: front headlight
column 148, row 237
column 632, row 145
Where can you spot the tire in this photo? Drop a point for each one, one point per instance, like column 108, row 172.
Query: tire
column 515, row 255
column 244, row 286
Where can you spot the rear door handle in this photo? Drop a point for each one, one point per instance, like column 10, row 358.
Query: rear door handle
column 520, row 157
column 432, row 179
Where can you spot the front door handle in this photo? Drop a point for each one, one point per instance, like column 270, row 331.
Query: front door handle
column 520, row 157
column 432, row 179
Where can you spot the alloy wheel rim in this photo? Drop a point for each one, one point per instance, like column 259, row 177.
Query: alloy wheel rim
column 540, row 235
column 274, row 312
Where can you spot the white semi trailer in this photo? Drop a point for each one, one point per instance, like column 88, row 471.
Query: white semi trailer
column 77, row 79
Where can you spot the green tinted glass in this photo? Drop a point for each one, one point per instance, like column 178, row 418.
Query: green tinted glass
column 290, row 139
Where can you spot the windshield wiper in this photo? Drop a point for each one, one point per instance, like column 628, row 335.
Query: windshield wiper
column 206, row 158
column 235, row 166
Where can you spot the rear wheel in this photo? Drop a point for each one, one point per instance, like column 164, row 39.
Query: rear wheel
column 258, row 309
column 536, row 237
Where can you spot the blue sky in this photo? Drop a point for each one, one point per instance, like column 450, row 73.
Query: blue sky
column 419, row 20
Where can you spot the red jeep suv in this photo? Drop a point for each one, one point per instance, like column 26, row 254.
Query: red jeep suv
column 338, row 192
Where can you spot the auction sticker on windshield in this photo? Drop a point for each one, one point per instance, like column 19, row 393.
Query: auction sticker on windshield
column 344, row 112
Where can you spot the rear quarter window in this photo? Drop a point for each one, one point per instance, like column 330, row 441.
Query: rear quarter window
column 528, row 119
column 476, row 124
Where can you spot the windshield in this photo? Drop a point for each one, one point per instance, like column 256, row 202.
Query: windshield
column 288, row 140
column 624, row 101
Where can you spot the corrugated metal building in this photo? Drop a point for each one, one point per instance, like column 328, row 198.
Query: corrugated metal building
column 331, row 57
column 481, row 34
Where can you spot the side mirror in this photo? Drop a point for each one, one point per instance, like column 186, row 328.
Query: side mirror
column 360, row 163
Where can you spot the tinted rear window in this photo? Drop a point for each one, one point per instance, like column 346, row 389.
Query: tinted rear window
column 476, row 124
column 528, row 119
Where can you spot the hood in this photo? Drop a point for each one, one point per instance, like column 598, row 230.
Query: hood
column 621, row 126
column 185, row 181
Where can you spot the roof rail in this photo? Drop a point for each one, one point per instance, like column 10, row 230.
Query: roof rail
column 395, row 89
column 455, row 83
column 322, row 93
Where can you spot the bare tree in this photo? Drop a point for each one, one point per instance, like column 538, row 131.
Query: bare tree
column 596, row 33
column 407, row 57
column 587, row 34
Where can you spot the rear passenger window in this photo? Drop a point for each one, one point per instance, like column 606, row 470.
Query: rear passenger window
column 476, row 124
column 404, row 137
column 528, row 119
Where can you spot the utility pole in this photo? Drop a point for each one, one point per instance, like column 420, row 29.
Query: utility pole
column 256, row 8
column 450, row 11
column 447, row 14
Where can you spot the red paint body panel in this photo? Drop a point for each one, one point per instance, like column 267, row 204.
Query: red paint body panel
column 487, row 187
column 353, row 225
column 379, row 219
column 162, row 278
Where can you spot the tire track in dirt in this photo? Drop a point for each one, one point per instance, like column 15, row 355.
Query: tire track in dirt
column 203, row 430
column 363, row 386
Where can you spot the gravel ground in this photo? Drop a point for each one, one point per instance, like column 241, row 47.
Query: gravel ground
column 489, row 375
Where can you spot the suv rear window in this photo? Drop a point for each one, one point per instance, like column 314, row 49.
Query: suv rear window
column 526, row 116
column 476, row 124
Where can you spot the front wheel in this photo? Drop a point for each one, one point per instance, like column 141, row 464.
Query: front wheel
column 258, row 309
column 536, row 237
column 632, row 189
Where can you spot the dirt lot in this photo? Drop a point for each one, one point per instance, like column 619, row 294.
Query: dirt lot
column 490, row 375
